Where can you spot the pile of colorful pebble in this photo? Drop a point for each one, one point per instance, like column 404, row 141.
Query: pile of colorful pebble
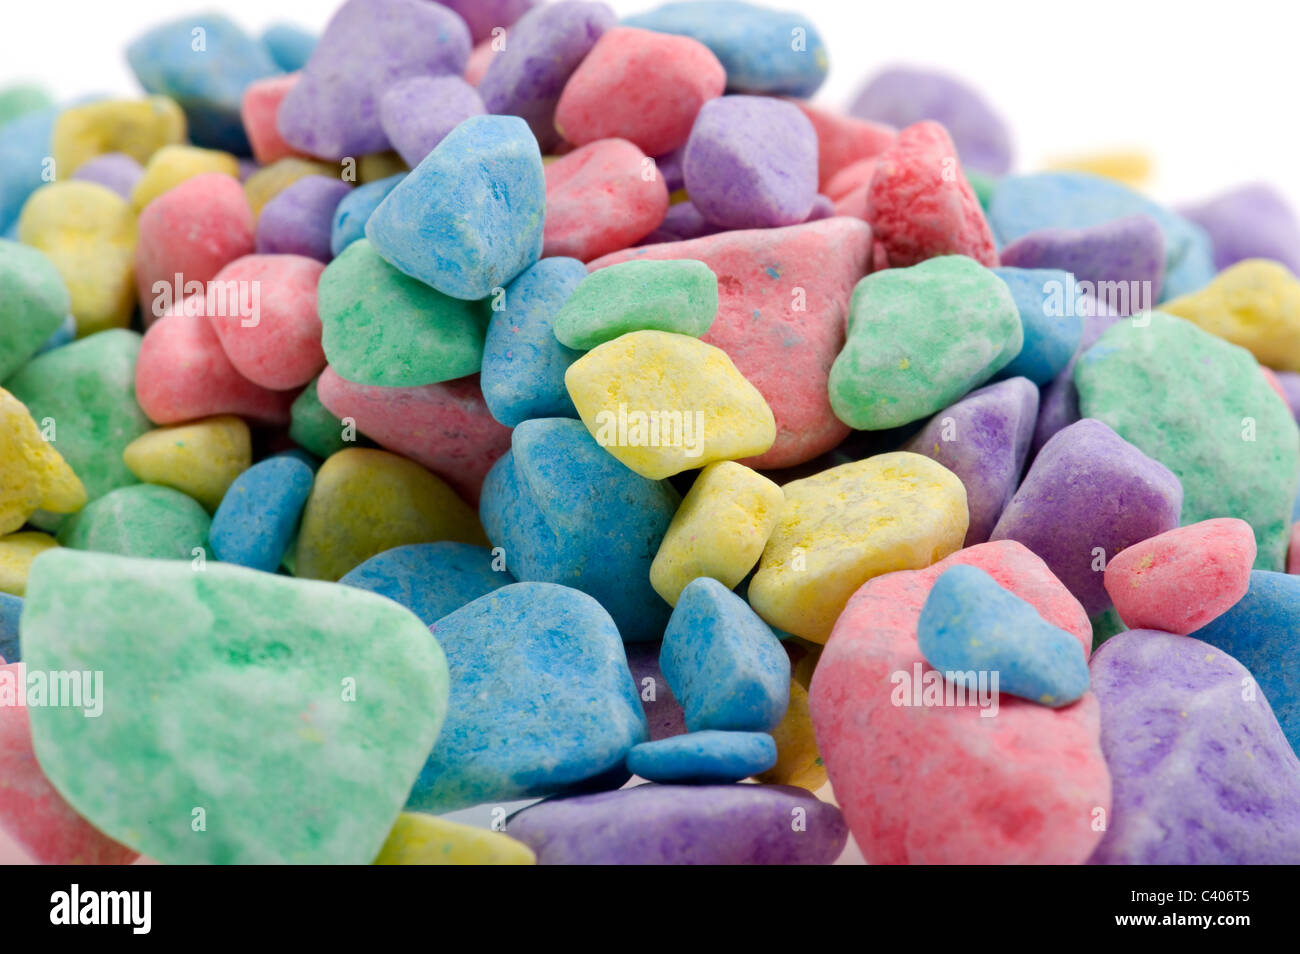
column 497, row 407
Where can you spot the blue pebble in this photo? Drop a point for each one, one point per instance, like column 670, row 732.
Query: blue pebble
column 289, row 46
column 24, row 146
column 764, row 51
column 523, row 363
column 1260, row 632
column 1050, row 340
column 11, row 607
column 353, row 212
column 703, row 758
column 64, row 334
column 565, row 511
column 542, row 701
column 723, row 663
column 971, row 624
column 205, row 63
column 430, row 579
column 258, row 515
column 469, row 217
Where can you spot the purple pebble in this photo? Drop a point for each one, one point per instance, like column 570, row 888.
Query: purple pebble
column 482, row 16
column 1059, row 405
column 663, row 712
column 545, row 46
column 823, row 208
column 670, row 167
column 751, row 162
column 298, row 220
column 247, row 167
column 902, row 96
column 1250, row 222
column 682, row 222
column 115, row 170
column 1088, row 495
column 333, row 111
column 417, row 113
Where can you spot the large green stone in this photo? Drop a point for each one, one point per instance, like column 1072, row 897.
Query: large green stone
column 678, row 295
column 143, row 520
column 33, row 303
column 1201, row 407
column 247, row 718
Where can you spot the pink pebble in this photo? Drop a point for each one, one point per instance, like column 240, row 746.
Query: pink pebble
column 856, row 175
column 1293, row 551
column 259, row 109
column 843, row 141
column 1180, row 580
column 600, row 198
column 479, row 58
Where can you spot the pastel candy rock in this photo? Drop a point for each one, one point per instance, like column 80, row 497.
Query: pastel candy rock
column 483, row 17
column 547, row 503
column 523, row 363
column 299, row 219
column 843, row 140
column 242, row 671
column 797, row 759
column 136, row 127
column 11, row 607
column 1059, row 405
column 850, row 523
column 541, row 699
column 1181, row 580
column 641, row 86
column 171, row 165
column 20, row 99
column 114, row 170
column 984, row 440
column 706, row 757
column 598, row 200
column 32, row 811
column 719, row 531
column 902, row 360
column 32, row 474
column 267, row 182
column 902, row 96
column 920, row 204
column 723, row 664
column 683, row 824
column 445, row 427
column 354, row 210
column 971, row 624
column 288, row 45
column 1259, row 631
column 35, row 303
column 942, row 785
column 663, row 711
column 431, row 579
column 183, row 373
column 1202, row 774
column 1136, row 380
column 1089, row 490
column 23, row 150
column 479, row 59
column 682, row 221
column 142, row 520
column 468, row 219
column 420, row 839
column 783, row 297
column 545, row 46
column 368, row 45
column 418, row 112
column 751, row 162
column 312, row 426
column 256, row 518
column 1254, row 303
column 777, row 52
column 17, row 551
column 87, row 389
column 1252, row 221
column 1052, row 334
column 259, row 109
column 193, row 230
column 89, row 233
column 1128, row 252
column 201, row 459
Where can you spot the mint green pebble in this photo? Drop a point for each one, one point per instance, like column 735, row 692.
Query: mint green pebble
column 679, row 295
column 33, row 303
column 384, row 328
column 1201, row 407
column 247, row 718
column 312, row 427
column 919, row 338
column 144, row 520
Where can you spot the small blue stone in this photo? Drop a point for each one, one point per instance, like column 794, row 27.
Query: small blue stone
column 11, row 607
column 24, row 146
column 703, row 757
column 430, row 579
column 1050, row 339
column 289, row 46
column 354, row 211
column 259, row 513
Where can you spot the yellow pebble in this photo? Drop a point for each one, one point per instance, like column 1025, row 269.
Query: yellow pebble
column 419, row 839
column 678, row 196
column 367, row 501
column 719, row 530
column 137, row 127
column 33, row 475
column 172, row 165
column 269, row 181
column 797, row 760
column 17, row 551
column 1127, row 166
column 662, row 403
column 379, row 165
column 842, row 527
column 201, row 459
column 89, row 233
column 1254, row 304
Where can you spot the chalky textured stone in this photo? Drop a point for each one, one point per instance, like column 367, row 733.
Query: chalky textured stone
column 483, row 17
column 289, row 46
column 599, row 199
column 706, row 757
column 1252, row 221
column 1052, row 327
column 135, row 127
column 1253, row 303
column 35, row 304
column 256, row 519
column 420, row 839
column 116, row 170
column 843, row 141
column 32, row 474
column 679, row 296
column 418, row 112
column 232, row 695
column 259, row 110
column 17, row 551
column 143, row 520
column 201, row 459
column 431, row 579
column 312, row 426
column 266, row 183
column 354, row 209
column 172, row 165
column 23, row 150
column 298, row 220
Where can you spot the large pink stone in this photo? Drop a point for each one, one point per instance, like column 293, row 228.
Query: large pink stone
column 783, row 298
column 946, row 785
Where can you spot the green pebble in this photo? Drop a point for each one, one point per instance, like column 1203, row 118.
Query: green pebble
column 384, row 328
column 919, row 338
column 33, row 303
column 144, row 520
column 679, row 296
column 983, row 186
column 312, row 427
column 1201, row 407
column 22, row 98
column 247, row 718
